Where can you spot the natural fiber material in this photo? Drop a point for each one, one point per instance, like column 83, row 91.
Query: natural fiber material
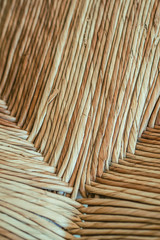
column 79, row 112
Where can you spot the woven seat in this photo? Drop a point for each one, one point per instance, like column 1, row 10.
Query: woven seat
column 79, row 119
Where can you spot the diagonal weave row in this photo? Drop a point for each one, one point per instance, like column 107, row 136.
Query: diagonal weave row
column 79, row 83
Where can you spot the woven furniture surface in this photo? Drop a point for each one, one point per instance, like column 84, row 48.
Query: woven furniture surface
column 79, row 119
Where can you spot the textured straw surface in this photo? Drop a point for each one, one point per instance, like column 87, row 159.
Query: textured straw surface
column 79, row 113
